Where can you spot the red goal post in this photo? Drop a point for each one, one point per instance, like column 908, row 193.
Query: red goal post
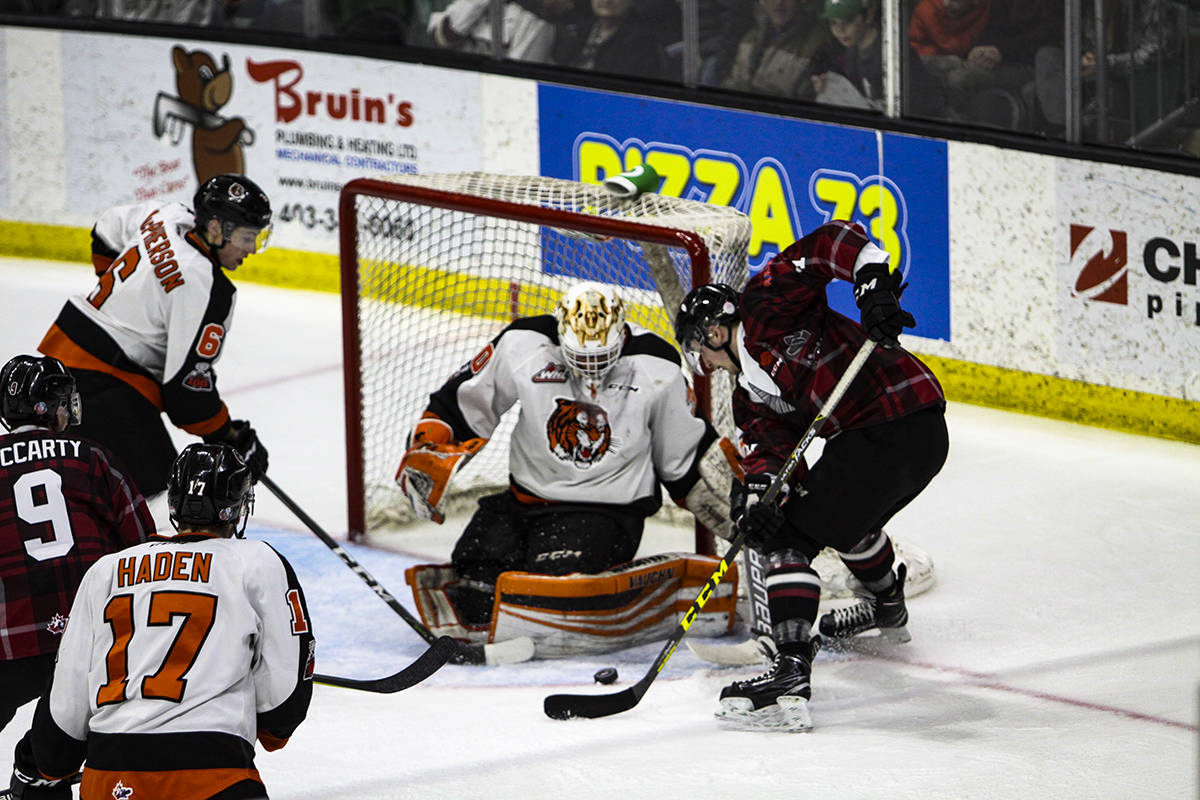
column 434, row 266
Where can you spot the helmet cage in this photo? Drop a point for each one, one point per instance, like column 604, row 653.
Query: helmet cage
column 591, row 329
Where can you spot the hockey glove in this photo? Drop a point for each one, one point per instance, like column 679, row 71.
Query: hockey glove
column 759, row 521
column 877, row 293
column 27, row 782
column 426, row 470
column 245, row 440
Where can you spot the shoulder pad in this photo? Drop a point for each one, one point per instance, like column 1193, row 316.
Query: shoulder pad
column 544, row 324
column 645, row 343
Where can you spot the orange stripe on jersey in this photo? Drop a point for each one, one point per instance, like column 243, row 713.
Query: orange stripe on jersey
column 56, row 343
column 178, row 784
column 101, row 263
column 210, row 425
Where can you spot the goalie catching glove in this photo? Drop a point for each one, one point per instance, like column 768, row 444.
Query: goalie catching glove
column 432, row 460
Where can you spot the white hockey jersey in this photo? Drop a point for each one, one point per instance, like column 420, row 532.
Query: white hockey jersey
column 179, row 653
column 158, row 316
column 616, row 447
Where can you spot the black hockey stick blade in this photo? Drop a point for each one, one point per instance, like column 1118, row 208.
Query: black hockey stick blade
column 429, row 662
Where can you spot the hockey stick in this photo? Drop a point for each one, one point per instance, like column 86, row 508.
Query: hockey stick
column 509, row 652
column 748, row 651
column 568, row 706
column 426, row 664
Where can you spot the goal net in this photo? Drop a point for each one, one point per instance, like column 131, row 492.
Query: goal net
column 434, row 266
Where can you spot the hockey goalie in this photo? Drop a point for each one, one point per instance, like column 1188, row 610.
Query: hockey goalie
column 606, row 422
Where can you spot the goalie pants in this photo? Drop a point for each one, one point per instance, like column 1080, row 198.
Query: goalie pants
column 863, row 477
column 117, row 416
column 554, row 539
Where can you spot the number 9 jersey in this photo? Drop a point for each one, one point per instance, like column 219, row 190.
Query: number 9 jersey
column 63, row 505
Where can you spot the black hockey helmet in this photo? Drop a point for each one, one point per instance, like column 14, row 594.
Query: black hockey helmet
column 236, row 201
column 210, row 486
column 710, row 304
column 32, row 388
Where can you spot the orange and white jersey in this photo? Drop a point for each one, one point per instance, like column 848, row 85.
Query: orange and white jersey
column 158, row 315
column 193, row 642
column 569, row 445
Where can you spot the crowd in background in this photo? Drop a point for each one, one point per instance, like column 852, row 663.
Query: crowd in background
column 997, row 63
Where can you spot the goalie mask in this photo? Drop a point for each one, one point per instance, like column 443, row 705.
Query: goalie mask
column 704, row 306
column 591, row 329
column 210, row 487
column 33, row 389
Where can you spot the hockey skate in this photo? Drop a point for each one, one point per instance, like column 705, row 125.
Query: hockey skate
column 776, row 700
column 883, row 617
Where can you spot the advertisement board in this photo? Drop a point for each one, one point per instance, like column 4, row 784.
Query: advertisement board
column 299, row 123
column 789, row 176
column 1128, row 297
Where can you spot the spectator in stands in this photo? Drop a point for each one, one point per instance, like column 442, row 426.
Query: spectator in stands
column 1136, row 39
column 610, row 36
column 966, row 45
column 776, row 56
column 852, row 74
column 528, row 29
column 286, row 16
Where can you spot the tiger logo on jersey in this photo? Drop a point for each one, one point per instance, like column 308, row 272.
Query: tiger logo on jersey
column 578, row 432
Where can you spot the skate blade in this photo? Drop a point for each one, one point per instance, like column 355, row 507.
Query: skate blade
column 786, row 714
column 871, row 640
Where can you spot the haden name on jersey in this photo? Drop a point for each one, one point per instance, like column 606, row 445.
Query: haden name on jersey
column 164, row 565
column 36, row 450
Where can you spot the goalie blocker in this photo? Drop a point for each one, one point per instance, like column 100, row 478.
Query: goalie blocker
column 583, row 614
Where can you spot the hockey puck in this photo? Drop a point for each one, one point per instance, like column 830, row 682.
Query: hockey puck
column 606, row 675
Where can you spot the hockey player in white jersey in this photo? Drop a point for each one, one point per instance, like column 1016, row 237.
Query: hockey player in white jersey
column 178, row 654
column 605, row 423
column 145, row 339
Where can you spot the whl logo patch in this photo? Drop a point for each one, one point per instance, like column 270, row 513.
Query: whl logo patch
column 1102, row 260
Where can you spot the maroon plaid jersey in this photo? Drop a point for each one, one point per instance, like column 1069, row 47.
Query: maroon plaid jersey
column 795, row 347
column 63, row 505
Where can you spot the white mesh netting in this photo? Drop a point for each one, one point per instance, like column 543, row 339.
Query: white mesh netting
column 434, row 284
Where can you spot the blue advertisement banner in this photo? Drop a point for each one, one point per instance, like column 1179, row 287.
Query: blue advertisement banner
column 789, row 176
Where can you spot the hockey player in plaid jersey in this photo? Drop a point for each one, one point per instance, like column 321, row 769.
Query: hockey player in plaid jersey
column 884, row 443
column 63, row 505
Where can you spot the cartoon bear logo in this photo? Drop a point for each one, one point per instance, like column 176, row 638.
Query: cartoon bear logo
column 203, row 89
column 578, row 432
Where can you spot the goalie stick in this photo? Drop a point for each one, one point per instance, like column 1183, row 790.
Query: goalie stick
column 510, row 652
column 569, row 706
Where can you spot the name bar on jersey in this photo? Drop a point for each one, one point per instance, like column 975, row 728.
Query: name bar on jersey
column 37, row 450
column 177, row 565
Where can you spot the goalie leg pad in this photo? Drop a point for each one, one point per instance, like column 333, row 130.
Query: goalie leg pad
column 634, row 604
